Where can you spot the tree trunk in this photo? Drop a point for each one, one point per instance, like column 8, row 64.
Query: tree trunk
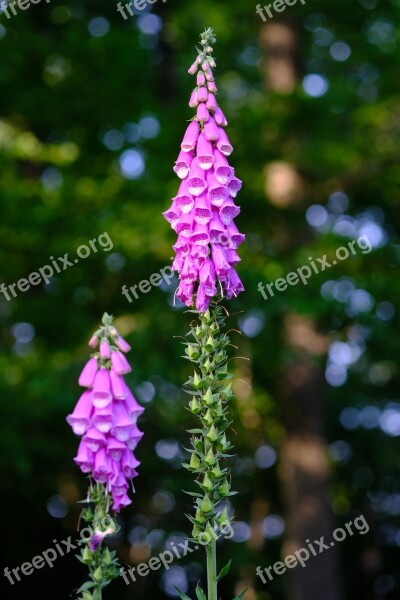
column 304, row 470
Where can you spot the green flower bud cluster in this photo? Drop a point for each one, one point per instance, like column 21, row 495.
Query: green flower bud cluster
column 103, row 564
column 211, row 394
column 205, row 53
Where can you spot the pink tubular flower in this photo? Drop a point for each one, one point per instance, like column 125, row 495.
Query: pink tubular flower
column 123, row 426
column 105, row 415
column 95, row 439
column 211, row 131
column 97, row 538
column 104, row 349
column 211, row 103
column 84, row 458
column 205, row 155
column 202, row 94
column 115, row 448
column 132, row 405
column 234, row 285
column 203, row 212
column 220, row 118
column 196, row 183
column 190, row 138
column 194, row 99
column 119, row 363
column 102, row 467
column 89, row 371
column 201, row 79
column 182, row 165
column 102, row 389
column 81, row 416
column 202, row 300
column 121, row 502
column 129, row 464
column 103, row 419
column 117, row 385
column 93, row 342
column 234, row 186
column 123, row 345
column 228, row 211
column 202, row 113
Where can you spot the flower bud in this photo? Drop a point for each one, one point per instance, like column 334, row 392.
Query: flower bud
column 222, row 373
column 192, row 352
column 199, row 517
column 208, row 418
column 210, row 458
column 86, row 556
column 218, row 411
column 195, row 406
column 208, row 397
column 197, row 381
column 206, row 317
column 94, row 340
column 193, row 69
column 196, row 531
column 216, row 472
column 212, row 434
column 219, row 357
column 207, row 365
column 207, row 484
column 198, row 444
column 223, row 444
column 97, row 575
column 206, row 505
column 104, row 349
column 223, row 519
column 194, row 462
column 223, row 489
column 210, row 533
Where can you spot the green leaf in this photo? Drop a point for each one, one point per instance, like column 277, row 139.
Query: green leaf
column 241, row 594
column 86, row 586
column 224, row 571
column 182, row 594
column 192, row 494
column 200, row 594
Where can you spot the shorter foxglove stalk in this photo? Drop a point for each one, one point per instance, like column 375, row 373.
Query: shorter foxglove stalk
column 102, row 564
column 106, row 419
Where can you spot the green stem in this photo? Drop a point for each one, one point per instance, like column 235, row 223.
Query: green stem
column 97, row 593
column 211, row 550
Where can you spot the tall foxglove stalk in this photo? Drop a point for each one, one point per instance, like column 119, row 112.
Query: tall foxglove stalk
column 105, row 418
column 202, row 214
